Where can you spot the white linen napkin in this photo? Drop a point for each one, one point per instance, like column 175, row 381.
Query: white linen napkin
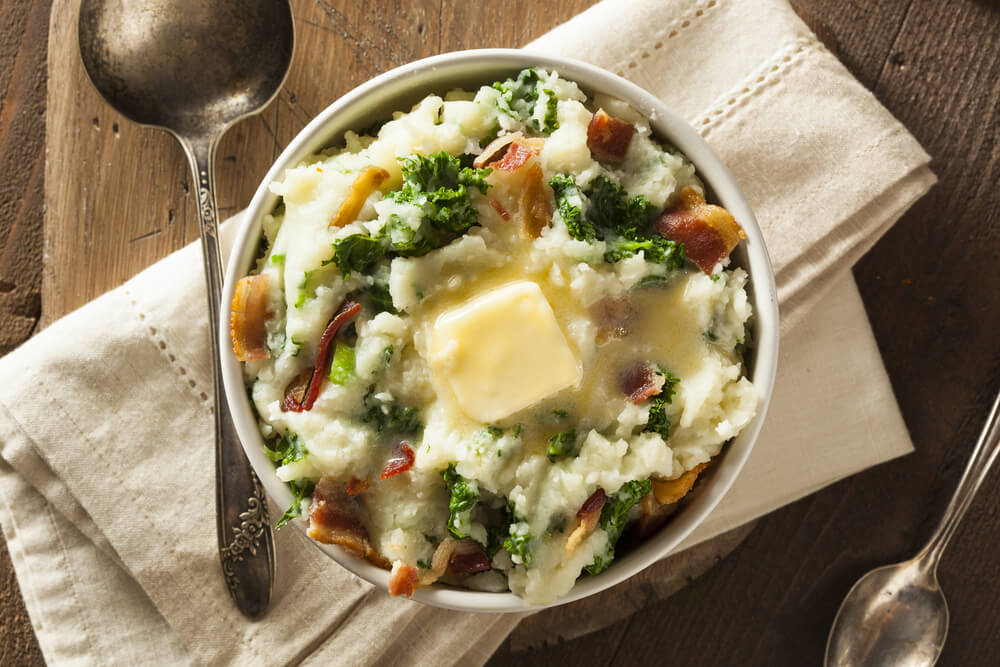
column 106, row 480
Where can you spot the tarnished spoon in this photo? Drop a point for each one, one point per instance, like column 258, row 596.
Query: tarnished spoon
column 194, row 68
column 896, row 615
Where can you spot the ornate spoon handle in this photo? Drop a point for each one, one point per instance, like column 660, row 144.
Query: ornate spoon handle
column 246, row 545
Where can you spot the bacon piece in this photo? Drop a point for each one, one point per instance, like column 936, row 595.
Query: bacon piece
column 501, row 211
column 496, row 149
column 247, row 318
column 404, row 579
column 468, row 558
column 709, row 233
column 587, row 519
column 669, row 491
column 515, row 157
column 293, row 403
column 614, row 317
column 534, row 210
column 296, row 391
column 640, row 381
column 356, row 486
column 439, row 561
column 367, row 182
column 608, row 137
column 336, row 518
column 401, row 460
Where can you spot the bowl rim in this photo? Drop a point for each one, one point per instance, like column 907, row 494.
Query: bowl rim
column 414, row 80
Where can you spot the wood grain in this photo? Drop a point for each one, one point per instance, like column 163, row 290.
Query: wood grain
column 931, row 288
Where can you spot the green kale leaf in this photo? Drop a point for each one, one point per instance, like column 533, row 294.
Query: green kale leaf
column 659, row 420
column 379, row 298
column 655, row 248
column 561, row 445
column 614, row 518
column 551, row 122
column 570, row 203
column 301, row 489
column 289, row 449
column 392, row 418
column 464, row 496
column 356, row 252
column 518, row 96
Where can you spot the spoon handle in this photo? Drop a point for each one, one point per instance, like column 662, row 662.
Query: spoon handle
column 976, row 470
column 246, row 545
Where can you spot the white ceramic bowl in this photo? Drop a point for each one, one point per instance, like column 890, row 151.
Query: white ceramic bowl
column 399, row 89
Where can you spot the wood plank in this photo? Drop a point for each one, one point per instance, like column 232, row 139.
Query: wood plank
column 23, row 33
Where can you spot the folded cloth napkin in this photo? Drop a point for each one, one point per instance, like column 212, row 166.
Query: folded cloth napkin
column 106, row 480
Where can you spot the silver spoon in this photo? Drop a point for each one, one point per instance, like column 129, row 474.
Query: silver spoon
column 897, row 615
column 195, row 68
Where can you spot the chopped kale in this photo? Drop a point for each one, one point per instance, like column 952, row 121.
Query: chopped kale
column 614, row 517
column 423, row 565
column 342, row 366
column 278, row 259
column 655, row 248
column 392, row 417
column 289, row 449
column 380, row 299
column 518, row 96
column 487, row 436
column 301, row 489
column 659, row 420
column 561, row 445
column 551, row 122
column 356, row 252
column 611, row 209
column 464, row 496
column 522, row 546
column 438, row 185
column 560, row 413
column 569, row 203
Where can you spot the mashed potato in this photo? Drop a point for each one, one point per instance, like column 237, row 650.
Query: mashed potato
column 529, row 355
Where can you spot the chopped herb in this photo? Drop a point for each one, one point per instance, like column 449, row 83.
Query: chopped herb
column 560, row 414
column 298, row 345
column 561, row 445
column 464, row 496
column 301, row 489
column 487, row 436
column 614, row 517
column 655, row 249
column 423, row 565
column 387, row 353
column 277, row 259
column 342, row 366
column 716, row 277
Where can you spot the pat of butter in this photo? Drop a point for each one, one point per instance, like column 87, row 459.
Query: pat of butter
column 502, row 351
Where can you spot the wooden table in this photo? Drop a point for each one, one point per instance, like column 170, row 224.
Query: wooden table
column 931, row 288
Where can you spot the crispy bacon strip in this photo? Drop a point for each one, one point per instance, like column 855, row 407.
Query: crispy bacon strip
column 496, row 149
column 509, row 152
column 296, row 392
column 468, row 558
column 501, row 211
column 247, row 318
column 292, row 403
column 404, row 579
column 587, row 519
column 401, row 460
column 534, row 210
column 336, row 518
column 608, row 137
column 669, row 491
column 614, row 317
column 367, row 182
column 709, row 233
column 640, row 381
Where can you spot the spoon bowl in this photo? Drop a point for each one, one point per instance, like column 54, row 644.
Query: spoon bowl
column 194, row 68
column 894, row 615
